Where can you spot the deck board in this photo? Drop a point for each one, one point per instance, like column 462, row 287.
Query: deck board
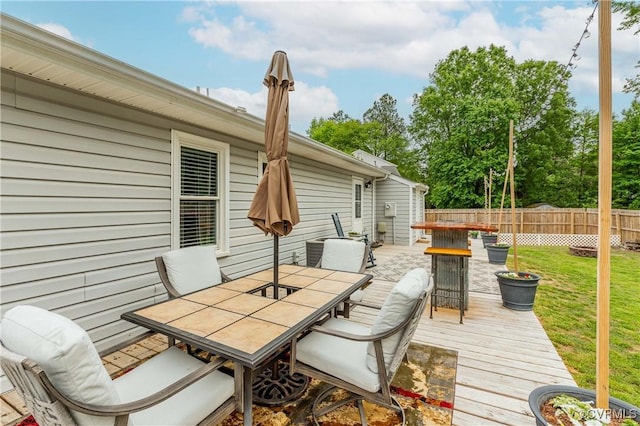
column 502, row 354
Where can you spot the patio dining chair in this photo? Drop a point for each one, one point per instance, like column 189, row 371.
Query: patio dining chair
column 189, row 269
column 55, row 368
column 371, row 261
column 363, row 360
column 345, row 255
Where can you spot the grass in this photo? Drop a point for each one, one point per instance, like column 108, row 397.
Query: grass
column 566, row 306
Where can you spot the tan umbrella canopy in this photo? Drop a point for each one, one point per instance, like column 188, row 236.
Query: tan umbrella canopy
column 274, row 208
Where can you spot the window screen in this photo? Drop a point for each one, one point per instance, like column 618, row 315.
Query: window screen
column 358, row 201
column 199, row 198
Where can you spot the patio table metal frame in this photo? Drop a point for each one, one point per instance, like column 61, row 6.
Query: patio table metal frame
column 235, row 319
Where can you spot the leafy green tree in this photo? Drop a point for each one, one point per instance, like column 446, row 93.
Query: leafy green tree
column 390, row 139
column 626, row 159
column 340, row 132
column 631, row 10
column 382, row 132
column 583, row 182
column 461, row 120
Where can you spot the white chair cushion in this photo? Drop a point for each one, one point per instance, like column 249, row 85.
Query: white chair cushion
column 357, row 296
column 396, row 308
column 66, row 354
column 341, row 358
column 342, row 255
column 187, row 407
column 192, row 268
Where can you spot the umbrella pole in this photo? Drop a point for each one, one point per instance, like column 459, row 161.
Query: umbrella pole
column 276, row 255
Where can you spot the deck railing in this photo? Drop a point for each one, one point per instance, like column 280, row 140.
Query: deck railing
column 625, row 223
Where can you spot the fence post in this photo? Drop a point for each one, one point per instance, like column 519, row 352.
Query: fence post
column 571, row 224
column 585, row 221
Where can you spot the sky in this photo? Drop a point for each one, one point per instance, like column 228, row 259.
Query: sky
column 344, row 55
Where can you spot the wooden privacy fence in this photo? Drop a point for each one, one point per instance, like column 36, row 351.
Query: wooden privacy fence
column 625, row 223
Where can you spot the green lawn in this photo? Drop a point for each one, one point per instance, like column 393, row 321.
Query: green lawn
column 566, row 306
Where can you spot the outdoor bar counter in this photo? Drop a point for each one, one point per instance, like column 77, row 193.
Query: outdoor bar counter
column 451, row 235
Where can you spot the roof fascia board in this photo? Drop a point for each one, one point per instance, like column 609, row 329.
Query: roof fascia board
column 57, row 50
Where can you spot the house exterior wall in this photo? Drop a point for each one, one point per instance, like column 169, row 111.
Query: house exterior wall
column 86, row 201
column 392, row 191
column 410, row 209
column 418, row 208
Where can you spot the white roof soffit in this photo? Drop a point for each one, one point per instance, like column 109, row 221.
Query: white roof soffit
column 409, row 183
column 31, row 51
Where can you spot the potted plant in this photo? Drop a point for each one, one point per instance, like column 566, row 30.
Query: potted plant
column 488, row 238
column 573, row 405
column 497, row 253
column 474, row 234
column 518, row 289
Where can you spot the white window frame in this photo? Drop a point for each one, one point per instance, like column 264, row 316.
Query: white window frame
column 178, row 140
column 357, row 224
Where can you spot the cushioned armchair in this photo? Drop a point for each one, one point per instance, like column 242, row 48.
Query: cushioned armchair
column 362, row 237
column 55, row 368
column 363, row 360
column 189, row 269
column 345, row 255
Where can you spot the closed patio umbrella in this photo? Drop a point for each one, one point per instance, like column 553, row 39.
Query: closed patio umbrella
column 274, row 208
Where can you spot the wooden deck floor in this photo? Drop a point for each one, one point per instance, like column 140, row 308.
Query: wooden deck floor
column 502, row 354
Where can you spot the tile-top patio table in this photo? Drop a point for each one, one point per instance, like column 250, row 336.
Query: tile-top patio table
column 235, row 321
column 448, row 235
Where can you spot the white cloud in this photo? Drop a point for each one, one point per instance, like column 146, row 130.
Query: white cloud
column 306, row 102
column 60, row 30
column 408, row 38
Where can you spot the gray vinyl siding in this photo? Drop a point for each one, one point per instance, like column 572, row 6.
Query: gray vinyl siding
column 86, row 201
column 418, row 206
column 392, row 191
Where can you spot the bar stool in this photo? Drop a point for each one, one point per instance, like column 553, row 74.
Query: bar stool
column 449, row 293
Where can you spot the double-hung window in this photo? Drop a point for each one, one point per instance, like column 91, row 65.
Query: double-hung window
column 200, row 192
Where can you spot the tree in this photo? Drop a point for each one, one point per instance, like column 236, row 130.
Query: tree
column 584, row 162
column 626, row 159
column 382, row 132
column 461, row 121
column 631, row 10
column 390, row 141
column 340, row 132
column 544, row 134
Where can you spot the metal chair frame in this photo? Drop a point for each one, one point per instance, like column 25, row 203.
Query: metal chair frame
column 346, row 304
column 365, row 238
column 173, row 293
column 50, row 407
column 385, row 375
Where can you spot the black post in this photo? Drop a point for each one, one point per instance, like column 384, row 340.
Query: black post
column 276, row 255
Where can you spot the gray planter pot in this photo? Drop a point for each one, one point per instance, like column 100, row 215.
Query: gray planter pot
column 489, row 239
column 497, row 254
column 518, row 294
column 541, row 395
